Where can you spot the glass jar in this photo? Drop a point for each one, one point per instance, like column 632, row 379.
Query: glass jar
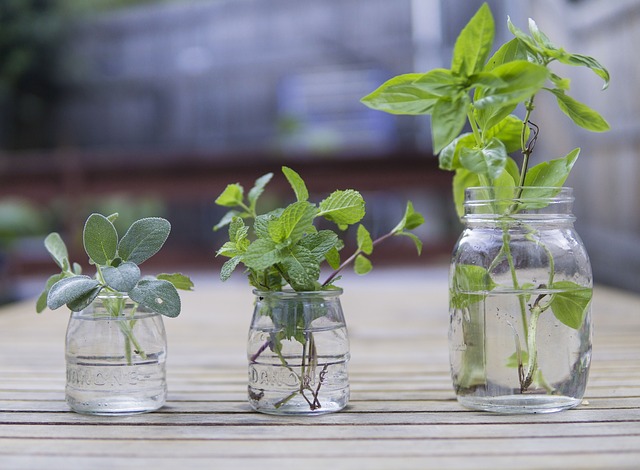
column 520, row 312
column 115, row 355
column 298, row 350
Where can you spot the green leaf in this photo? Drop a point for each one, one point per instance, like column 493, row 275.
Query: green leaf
column 401, row 95
column 523, row 79
column 69, row 289
column 449, row 157
column 470, row 284
column 570, row 305
column 41, row 303
column 231, row 196
column 226, row 219
column 343, row 207
column 100, row 239
column 441, row 83
column 525, row 39
column 447, row 120
column 302, row 268
column 257, row 190
column 509, row 131
column 474, row 43
column 294, row 222
column 550, row 174
column 508, row 52
column 261, row 254
column 410, row 220
column 297, row 184
column 179, row 281
column 488, row 161
column 416, row 241
column 228, row 267
column 580, row 113
column 462, row 180
column 157, row 295
column 123, row 278
column 57, row 249
column 144, row 239
column 238, row 231
column 362, row 265
column 333, row 258
column 320, row 244
column 84, row 300
column 365, row 243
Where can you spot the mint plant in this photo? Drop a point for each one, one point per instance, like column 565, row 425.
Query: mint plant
column 117, row 263
column 283, row 249
column 480, row 92
column 286, row 248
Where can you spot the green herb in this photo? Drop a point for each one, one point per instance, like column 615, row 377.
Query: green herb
column 482, row 92
column 117, row 267
column 286, row 248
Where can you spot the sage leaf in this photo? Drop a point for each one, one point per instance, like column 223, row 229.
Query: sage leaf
column 157, row 295
column 57, row 249
column 343, row 207
column 144, row 239
column 362, row 265
column 297, row 184
column 69, row 289
column 580, row 113
column 474, row 43
column 84, row 300
column 41, row 303
column 122, row 278
column 402, row 95
column 100, row 239
column 179, row 281
column 570, row 305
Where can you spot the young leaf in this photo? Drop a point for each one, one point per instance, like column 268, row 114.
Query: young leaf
column 362, row 265
column 158, row 295
column 100, row 239
column 297, row 184
column 523, row 80
column 261, row 254
column 226, row 219
column 474, row 43
column 257, row 190
column 365, row 244
column 410, row 220
column 123, row 278
column 447, row 120
column 302, row 269
column 570, row 305
column 180, row 281
column 333, row 258
column 343, row 207
column 508, row 52
column 416, row 241
column 69, row 289
column 296, row 220
column 580, row 113
column 144, row 239
column 549, row 174
column 319, row 244
column 401, row 95
column 488, row 161
column 231, row 196
column 58, row 250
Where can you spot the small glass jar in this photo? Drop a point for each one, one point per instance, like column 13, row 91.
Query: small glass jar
column 115, row 355
column 298, row 350
column 520, row 312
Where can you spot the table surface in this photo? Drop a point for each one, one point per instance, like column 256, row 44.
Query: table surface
column 402, row 414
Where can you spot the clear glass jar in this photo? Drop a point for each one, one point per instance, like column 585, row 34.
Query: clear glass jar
column 115, row 355
column 298, row 350
column 520, row 311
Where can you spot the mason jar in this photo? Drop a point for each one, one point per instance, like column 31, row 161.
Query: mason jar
column 115, row 356
column 298, row 350
column 520, row 302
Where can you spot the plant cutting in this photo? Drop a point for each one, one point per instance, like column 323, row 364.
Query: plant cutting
column 298, row 345
column 520, row 279
column 115, row 344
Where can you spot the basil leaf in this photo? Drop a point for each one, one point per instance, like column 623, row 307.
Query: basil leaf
column 401, row 95
column 580, row 113
column 470, row 284
column 474, row 43
column 488, row 161
column 448, row 118
column 570, row 305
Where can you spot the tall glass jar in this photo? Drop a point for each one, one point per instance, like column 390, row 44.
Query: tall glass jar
column 115, row 355
column 520, row 291
column 298, row 350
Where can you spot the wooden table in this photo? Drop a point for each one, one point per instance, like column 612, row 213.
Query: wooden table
column 402, row 413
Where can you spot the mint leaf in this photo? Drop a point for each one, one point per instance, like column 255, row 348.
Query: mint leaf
column 570, row 305
column 261, row 254
column 362, row 265
column 255, row 192
column 100, row 239
column 179, row 281
column 296, row 220
column 302, row 269
column 228, row 267
column 122, row 278
column 157, row 295
column 343, row 207
column 231, row 196
column 69, row 289
column 297, row 184
column 320, row 244
column 365, row 243
column 57, row 249
column 474, row 43
column 226, row 219
column 144, row 239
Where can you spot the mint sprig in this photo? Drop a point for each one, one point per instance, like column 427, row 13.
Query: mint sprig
column 284, row 246
column 117, row 267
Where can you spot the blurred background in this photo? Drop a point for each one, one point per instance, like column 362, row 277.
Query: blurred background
column 150, row 107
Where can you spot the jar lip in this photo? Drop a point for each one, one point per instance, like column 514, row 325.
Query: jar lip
column 290, row 293
column 482, row 194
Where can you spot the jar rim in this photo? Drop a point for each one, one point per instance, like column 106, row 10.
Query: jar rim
column 290, row 293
